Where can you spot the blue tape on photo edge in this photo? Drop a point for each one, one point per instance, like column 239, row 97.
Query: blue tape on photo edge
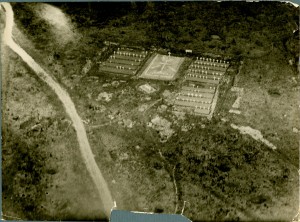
column 126, row 216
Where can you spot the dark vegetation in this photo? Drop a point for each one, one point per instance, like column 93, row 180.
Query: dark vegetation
column 26, row 176
column 233, row 168
column 235, row 29
column 226, row 28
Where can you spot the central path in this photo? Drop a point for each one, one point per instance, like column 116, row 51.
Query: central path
column 69, row 106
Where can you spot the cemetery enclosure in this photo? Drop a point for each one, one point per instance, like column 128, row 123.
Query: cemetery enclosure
column 201, row 90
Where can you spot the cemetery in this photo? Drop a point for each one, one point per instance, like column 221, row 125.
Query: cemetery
column 201, row 79
column 124, row 61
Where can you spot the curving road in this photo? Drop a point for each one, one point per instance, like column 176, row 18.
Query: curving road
column 69, row 106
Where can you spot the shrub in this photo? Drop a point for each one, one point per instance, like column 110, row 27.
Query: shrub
column 274, row 92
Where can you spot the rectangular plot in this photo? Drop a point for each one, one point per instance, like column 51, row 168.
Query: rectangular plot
column 194, row 99
column 204, row 76
column 220, row 62
column 203, row 94
column 202, row 80
column 131, row 52
column 117, row 71
column 131, row 58
column 115, row 65
column 202, row 111
column 198, row 89
column 192, row 104
column 213, row 65
column 205, row 72
column 122, row 61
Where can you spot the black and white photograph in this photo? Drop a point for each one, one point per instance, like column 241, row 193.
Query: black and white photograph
column 150, row 111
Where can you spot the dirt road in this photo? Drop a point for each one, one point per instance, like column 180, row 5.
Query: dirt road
column 69, row 106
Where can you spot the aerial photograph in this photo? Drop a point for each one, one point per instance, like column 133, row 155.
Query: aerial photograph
column 150, row 111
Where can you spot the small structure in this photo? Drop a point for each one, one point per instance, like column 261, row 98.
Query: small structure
column 147, row 88
column 104, row 96
column 238, row 112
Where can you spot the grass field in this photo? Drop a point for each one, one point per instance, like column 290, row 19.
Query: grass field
column 274, row 114
column 163, row 67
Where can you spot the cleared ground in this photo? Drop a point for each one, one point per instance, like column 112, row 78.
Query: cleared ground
column 163, row 67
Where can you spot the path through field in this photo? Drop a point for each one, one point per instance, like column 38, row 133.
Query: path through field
column 69, row 106
column 254, row 133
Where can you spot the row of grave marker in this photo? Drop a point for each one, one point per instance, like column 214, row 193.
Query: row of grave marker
column 211, row 60
column 203, row 77
column 191, row 94
column 130, row 54
column 193, row 100
column 214, row 65
column 128, row 49
column 205, row 72
column 122, row 67
column 112, row 69
column 114, row 57
column 198, row 91
column 211, row 87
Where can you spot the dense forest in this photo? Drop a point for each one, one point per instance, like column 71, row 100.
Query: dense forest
column 234, row 169
column 234, row 28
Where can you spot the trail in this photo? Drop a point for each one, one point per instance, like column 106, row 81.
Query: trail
column 69, row 106
column 255, row 134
